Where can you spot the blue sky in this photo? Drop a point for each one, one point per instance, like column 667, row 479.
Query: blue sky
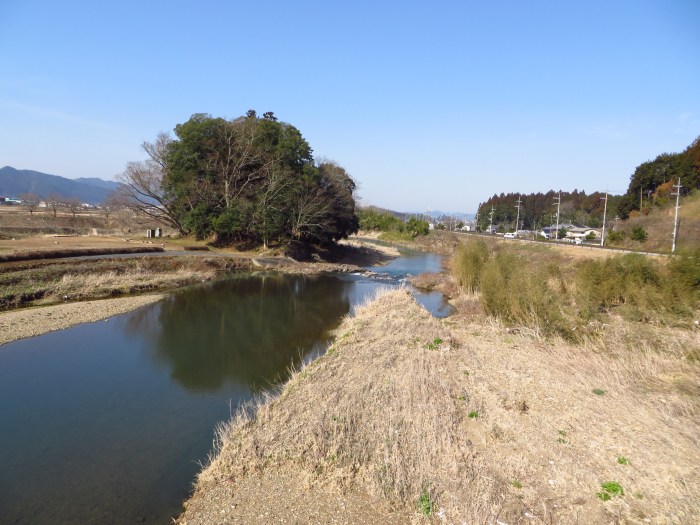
column 428, row 105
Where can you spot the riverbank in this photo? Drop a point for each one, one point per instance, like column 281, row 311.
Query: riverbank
column 29, row 322
column 35, row 294
column 415, row 419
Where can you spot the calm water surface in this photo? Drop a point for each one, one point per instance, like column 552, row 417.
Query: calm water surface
column 108, row 422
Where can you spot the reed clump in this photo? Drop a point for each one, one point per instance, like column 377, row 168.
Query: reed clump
column 511, row 287
column 468, row 264
column 564, row 297
column 518, row 293
column 640, row 288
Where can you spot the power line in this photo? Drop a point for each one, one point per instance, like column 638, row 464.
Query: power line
column 558, row 199
column 605, row 211
column 675, row 220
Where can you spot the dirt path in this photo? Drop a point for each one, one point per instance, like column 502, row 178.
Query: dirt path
column 29, row 322
column 276, row 497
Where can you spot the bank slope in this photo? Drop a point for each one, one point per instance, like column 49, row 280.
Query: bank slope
column 410, row 418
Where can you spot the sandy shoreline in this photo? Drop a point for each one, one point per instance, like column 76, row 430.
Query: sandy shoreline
column 30, row 322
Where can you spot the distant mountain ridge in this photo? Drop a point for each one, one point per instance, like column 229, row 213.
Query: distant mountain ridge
column 14, row 182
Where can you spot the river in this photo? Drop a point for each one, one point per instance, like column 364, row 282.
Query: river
column 109, row 422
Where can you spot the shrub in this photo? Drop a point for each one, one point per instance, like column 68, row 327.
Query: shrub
column 632, row 280
column 393, row 227
column 638, row 234
column 468, row 264
column 550, row 299
column 614, row 237
column 417, row 227
column 519, row 293
column 379, row 221
column 684, row 272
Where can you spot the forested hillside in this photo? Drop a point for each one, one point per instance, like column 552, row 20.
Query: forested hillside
column 651, row 184
column 539, row 209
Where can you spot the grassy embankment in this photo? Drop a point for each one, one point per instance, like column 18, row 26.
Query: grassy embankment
column 52, row 282
column 498, row 413
column 658, row 223
column 34, row 278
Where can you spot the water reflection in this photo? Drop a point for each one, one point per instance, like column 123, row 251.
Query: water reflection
column 105, row 422
column 245, row 330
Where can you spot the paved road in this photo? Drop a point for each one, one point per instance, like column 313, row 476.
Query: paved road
column 567, row 244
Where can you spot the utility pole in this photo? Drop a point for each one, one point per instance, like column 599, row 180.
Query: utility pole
column 641, row 193
column 605, row 211
column 491, row 220
column 675, row 220
column 476, row 221
column 517, row 218
column 558, row 198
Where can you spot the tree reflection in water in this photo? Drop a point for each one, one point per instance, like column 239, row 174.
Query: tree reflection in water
column 246, row 330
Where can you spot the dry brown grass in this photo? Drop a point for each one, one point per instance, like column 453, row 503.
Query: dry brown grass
column 387, row 411
column 46, row 282
column 94, row 285
column 18, row 222
column 648, row 414
column 659, row 226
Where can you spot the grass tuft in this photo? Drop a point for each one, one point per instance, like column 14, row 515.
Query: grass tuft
column 609, row 490
column 425, row 503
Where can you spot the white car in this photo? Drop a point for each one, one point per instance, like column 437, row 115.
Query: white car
column 509, row 235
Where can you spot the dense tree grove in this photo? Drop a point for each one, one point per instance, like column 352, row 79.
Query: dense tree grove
column 539, row 209
column 652, row 182
column 248, row 180
column 373, row 219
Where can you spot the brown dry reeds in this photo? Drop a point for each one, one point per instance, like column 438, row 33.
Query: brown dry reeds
column 563, row 297
column 76, row 252
column 51, row 282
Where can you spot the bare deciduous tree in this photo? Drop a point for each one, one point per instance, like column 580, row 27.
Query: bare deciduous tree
column 30, row 201
column 54, row 201
column 309, row 213
column 74, row 205
column 269, row 203
column 236, row 159
column 141, row 187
